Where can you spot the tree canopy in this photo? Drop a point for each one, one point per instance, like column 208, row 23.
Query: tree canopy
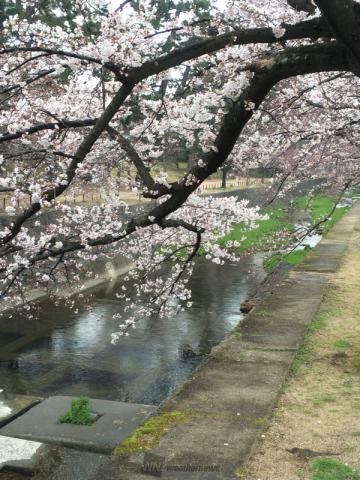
column 268, row 84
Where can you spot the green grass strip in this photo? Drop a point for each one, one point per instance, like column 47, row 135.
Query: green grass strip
column 329, row 469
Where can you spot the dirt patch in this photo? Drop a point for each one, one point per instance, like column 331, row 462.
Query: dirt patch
column 319, row 409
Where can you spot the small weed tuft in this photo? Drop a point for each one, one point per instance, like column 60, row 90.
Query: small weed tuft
column 341, row 344
column 302, row 357
column 79, row 413
column 243, row 355
column 318, row 322
column 324, row 399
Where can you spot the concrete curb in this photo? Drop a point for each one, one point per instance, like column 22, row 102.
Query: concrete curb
column 229, row 399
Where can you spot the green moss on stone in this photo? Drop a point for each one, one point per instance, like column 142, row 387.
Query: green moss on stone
column 149, row 434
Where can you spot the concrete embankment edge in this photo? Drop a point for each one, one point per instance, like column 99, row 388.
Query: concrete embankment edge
column 228, row 401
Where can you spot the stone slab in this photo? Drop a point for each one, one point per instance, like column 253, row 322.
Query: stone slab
column 12, row 405
column 56, row 463
column 19, row 455
column 195, row 458
column 229, row 440
column 325, row 258
column 72, row 465
column 117, row 422
column 245, row 388
column 281, row 321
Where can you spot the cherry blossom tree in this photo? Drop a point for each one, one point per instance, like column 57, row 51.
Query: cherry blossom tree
column 263, row 83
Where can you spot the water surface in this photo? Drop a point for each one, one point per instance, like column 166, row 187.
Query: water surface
column 61, row 352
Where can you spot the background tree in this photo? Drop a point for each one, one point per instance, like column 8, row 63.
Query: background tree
column 65, row 14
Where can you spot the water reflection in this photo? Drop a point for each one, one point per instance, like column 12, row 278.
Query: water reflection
column 67, row 353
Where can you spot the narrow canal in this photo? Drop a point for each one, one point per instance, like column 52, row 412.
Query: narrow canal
column 60, row 352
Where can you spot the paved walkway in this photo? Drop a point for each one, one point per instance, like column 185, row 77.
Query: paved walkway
column 224, row 407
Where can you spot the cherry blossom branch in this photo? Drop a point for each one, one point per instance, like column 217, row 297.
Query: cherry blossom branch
column 311, row 29
column 295, row 61
column 177, row 29
column 155, row 190
column 306, row 59
column 60, row 124
column 302, row 6
column 27, row 82
column 17, row 67
column 280, row 186
column 64, row 53
column 13, row 279
column 122, row 5
column 343, row 17
column 81, row 153
column 183, row 269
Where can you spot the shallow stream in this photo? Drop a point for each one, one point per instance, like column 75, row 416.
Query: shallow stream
column 61, row 352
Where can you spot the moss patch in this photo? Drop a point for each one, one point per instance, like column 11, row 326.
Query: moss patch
column 149, row 434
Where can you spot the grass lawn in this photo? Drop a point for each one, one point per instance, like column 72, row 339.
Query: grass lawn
column 266, row 234
column 319, row 207
column 263, row 235
column 274, row 233
column 293, row 258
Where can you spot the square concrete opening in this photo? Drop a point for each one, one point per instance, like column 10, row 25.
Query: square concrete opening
column 117, row 421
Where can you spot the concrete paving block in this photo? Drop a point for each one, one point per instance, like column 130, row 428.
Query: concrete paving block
column 325, row 258
column 226, row 445
column 19, row 455
column 202, row 448
column 77, row 465
column 116, row 422
column 245, row 389
column 280, row 322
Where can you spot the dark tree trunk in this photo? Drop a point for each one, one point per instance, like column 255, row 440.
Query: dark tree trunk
column 224, row 176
